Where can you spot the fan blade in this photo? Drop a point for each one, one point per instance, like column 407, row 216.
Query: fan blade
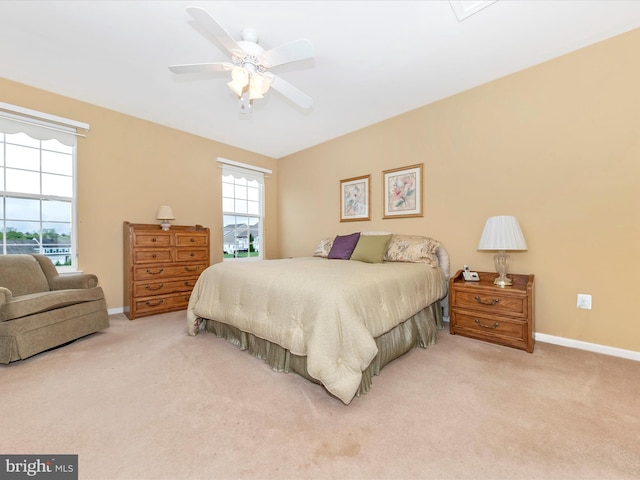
column 202, row 67
column 215, row 29
column 289, row 52
column 291, row 92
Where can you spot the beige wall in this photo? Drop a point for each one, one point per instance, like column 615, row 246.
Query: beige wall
column 128, row 167
column 557, row 145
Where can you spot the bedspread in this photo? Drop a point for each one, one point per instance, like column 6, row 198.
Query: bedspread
column 327, row 310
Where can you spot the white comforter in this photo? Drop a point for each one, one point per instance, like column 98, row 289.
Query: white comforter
column 327, row 310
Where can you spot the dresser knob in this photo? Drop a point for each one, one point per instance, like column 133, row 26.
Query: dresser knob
column 484, row 302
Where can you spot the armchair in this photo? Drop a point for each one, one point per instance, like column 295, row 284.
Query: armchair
column 40, row 309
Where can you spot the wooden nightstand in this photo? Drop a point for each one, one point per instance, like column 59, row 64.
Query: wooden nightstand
column 487, row 312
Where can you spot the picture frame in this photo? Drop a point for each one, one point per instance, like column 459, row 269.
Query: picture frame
column 403, row 192
column 355, row 199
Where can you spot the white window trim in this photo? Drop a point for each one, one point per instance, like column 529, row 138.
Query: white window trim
column 246, row 170
column 65, row 128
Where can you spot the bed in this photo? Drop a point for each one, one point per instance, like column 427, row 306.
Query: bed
column 336, row 317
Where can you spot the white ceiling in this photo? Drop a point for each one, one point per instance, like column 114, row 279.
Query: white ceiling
column 374, row 59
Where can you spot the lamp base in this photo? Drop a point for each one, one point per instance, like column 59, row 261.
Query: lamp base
column 501, row 260
column 502, row 281
column 165, row 225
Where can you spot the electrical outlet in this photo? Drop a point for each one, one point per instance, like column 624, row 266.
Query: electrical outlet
column 584, row 301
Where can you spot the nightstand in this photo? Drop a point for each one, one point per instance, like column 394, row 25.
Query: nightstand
column 484, row 311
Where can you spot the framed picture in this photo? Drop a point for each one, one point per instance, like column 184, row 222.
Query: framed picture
column 355, row 199
column 403, row 192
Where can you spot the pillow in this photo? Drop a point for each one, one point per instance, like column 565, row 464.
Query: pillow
column 323, row 248
column 371, row 248
column 412, row 248
column 343, row 246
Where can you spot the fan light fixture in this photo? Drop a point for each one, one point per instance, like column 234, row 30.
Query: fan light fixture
column 502, row 233
column 250, row 65
column 245, row 80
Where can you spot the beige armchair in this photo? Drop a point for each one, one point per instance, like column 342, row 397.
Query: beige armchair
column 40, row 309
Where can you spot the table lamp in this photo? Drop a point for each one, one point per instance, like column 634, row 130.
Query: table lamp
column 165, row 214
column 502, row 233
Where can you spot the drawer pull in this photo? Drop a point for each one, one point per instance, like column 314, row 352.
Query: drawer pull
column 150, row 304
column 154, row 239
column 193, row 239
column 188, row 284
column 149, row 287
column 154, row 256
column 479, row 323
column 490, row 302
column 194, row 269
column 160, row 270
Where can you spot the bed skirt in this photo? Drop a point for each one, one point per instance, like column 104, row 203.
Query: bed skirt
column 418, row 331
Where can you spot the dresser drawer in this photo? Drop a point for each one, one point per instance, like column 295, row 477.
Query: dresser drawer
column 144, row 289
column 491, row 302
column 161, row 303
column 193, row 240
column 171, row 271
column 189, row 255
column 151, row 240
column 156, row 255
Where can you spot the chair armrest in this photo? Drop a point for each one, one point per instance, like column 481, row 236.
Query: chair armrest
column 81, row 280
column 5, row 296
column 64, row 282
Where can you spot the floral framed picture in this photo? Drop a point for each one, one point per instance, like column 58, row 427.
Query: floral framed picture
column 403, row 192
column 355, row 199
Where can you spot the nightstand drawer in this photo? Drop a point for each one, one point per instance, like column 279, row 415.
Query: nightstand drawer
column 491, row 302
column 489, row 325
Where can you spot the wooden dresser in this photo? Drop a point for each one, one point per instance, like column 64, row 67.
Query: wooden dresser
column 495, row 314
column 161, row 267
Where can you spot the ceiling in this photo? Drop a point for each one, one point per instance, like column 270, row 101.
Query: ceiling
column 374, row 59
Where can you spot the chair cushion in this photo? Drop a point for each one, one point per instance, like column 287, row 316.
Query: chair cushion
column 22, row 275
column 31, row 304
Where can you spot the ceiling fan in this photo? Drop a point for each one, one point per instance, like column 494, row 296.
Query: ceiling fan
column 250, row 64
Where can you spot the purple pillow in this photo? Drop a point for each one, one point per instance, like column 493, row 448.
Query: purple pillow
column 343, row 246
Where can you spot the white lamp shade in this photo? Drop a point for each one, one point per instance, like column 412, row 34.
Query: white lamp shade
column 502, row 233
column 165, row 213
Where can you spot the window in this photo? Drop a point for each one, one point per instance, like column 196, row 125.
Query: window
column 242, row 210
column 37, row 188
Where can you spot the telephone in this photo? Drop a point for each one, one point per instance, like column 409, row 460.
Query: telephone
column 470, row 276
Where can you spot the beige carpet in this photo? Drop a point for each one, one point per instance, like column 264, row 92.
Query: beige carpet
column 142, row 400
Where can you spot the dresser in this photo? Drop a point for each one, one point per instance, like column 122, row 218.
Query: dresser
column 161, row 267
column 485, row 311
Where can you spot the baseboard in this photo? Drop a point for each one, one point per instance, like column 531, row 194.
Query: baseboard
column 114, row 311
column 591, row 347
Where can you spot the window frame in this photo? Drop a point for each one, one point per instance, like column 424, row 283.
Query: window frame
column 41, row 128
column 248, row 172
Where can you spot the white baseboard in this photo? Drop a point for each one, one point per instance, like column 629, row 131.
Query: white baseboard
column 113, row 311
column 591, row 347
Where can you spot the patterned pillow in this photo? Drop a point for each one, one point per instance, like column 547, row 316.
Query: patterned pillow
column 323, row 248
column 412, row 248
